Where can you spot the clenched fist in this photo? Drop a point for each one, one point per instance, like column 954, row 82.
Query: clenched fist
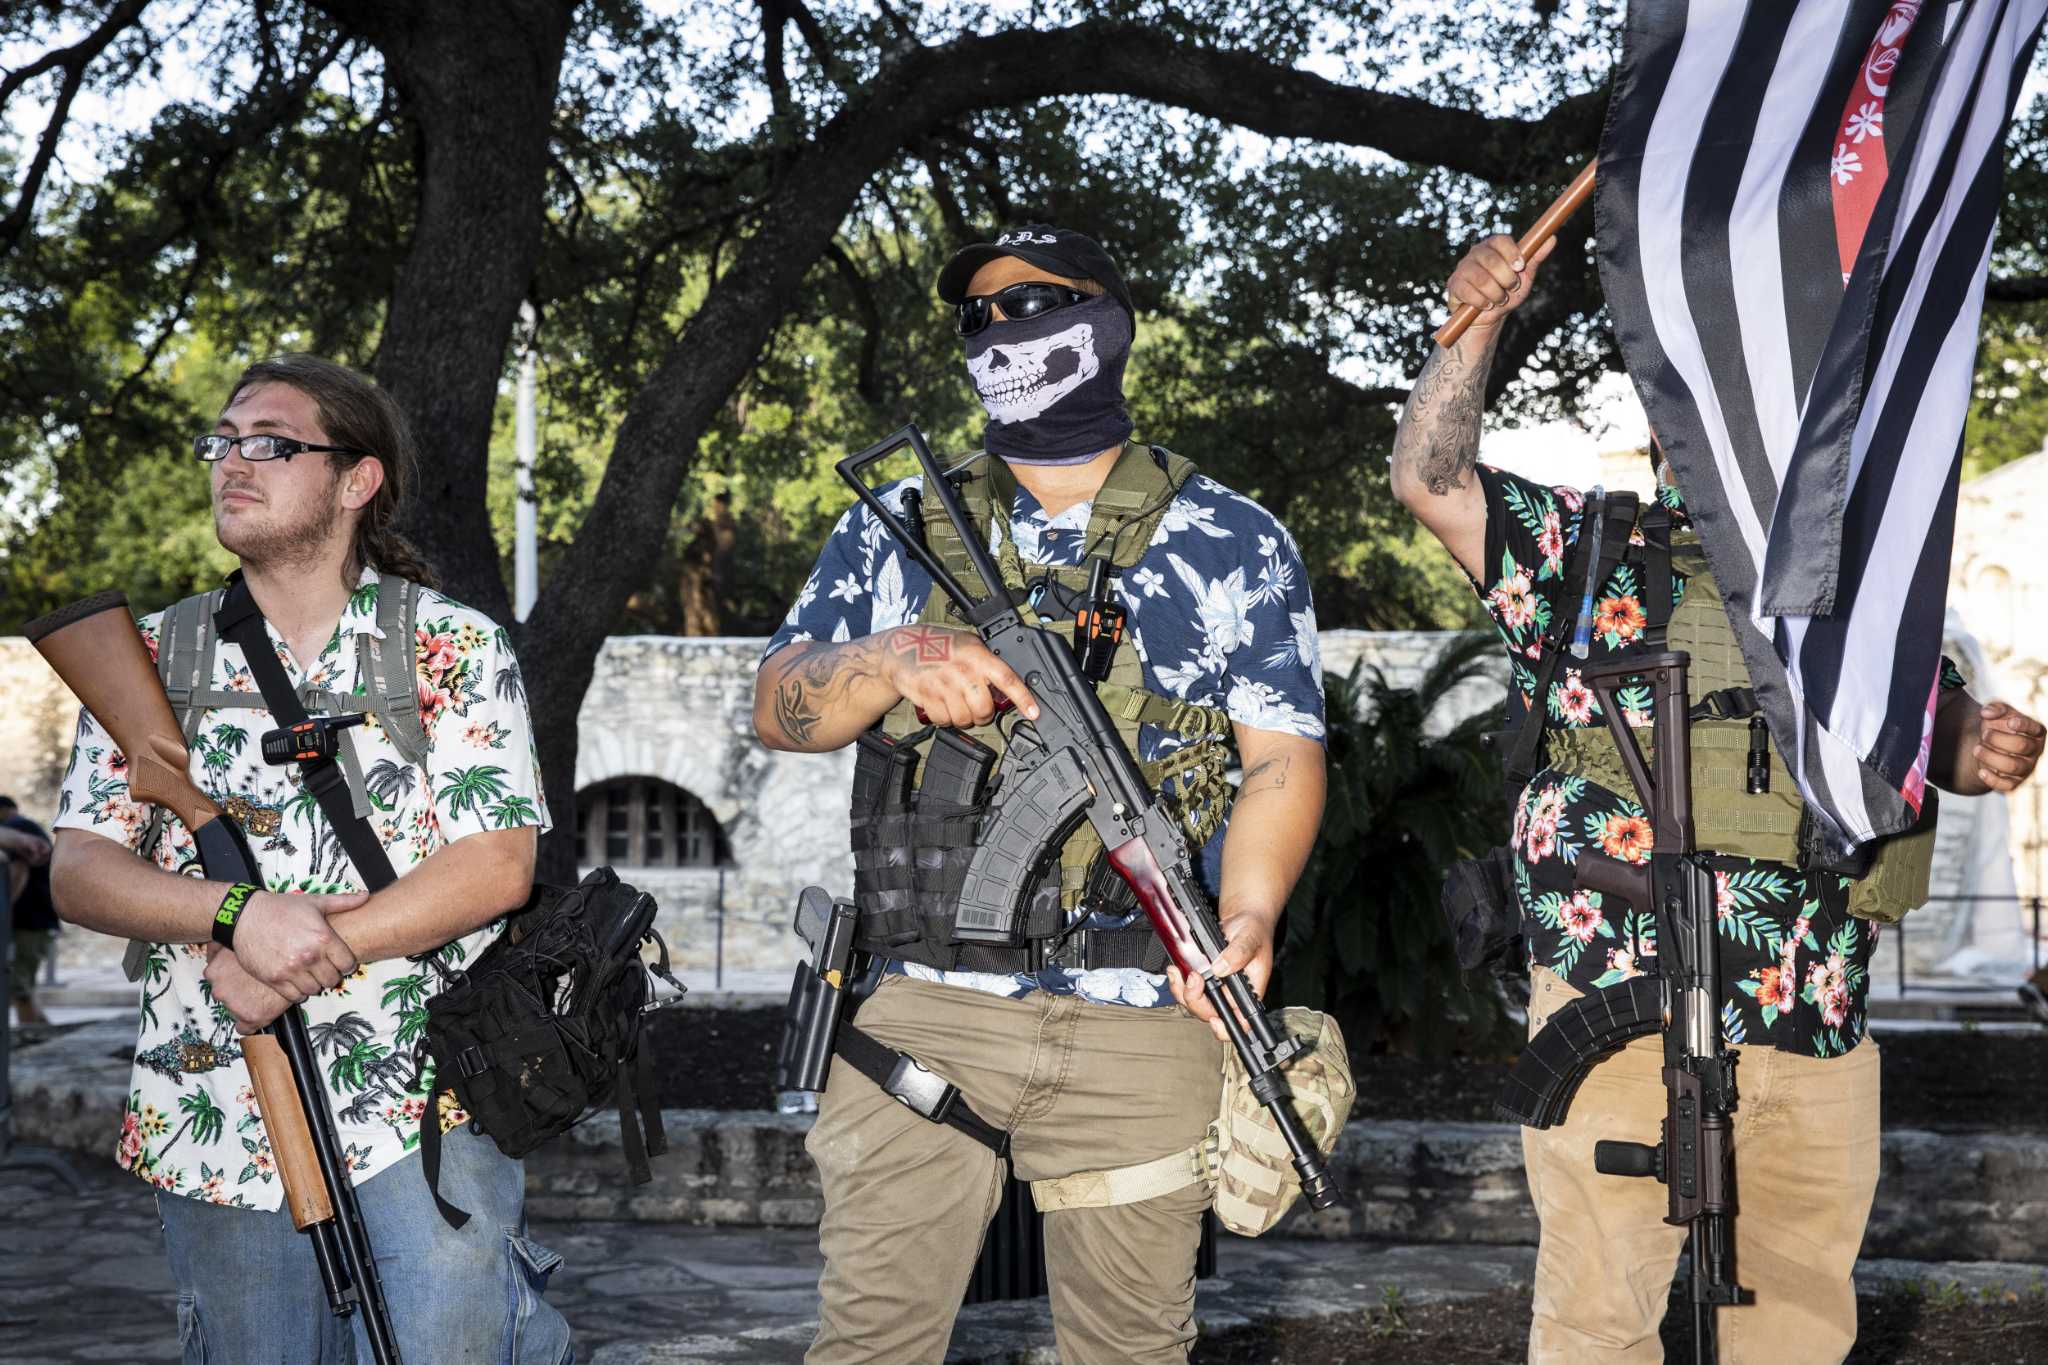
column 1495, row 278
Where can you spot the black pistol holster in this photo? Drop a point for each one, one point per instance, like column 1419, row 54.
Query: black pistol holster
column 817, row 1026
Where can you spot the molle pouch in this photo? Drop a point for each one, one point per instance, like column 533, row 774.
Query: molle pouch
column 1481, row 911
column 884, row 879
column 1251, row 1171
column 1899, row 875
column 956, row 770
column 507, row 1064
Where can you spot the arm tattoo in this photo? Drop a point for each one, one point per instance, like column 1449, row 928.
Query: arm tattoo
column 1267, row 775
column 1438, row 440
column 819, row 679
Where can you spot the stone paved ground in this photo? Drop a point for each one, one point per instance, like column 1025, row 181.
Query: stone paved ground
column 82, row 1279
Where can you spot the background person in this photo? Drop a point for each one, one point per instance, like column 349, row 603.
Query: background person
column 32, row 917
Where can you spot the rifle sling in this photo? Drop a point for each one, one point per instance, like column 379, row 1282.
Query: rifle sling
column 240, row 620
column 1619, row 511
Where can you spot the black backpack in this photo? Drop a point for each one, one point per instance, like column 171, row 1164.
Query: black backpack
column 544, row 1029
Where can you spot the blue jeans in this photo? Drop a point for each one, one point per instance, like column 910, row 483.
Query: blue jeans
column 250, row 1294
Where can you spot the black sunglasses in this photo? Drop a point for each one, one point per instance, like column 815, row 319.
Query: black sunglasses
column 1019, row 301
column 262, row 446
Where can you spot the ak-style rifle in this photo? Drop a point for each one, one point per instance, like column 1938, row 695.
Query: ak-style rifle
column 1694, row 1156
column 96, row 650
column 1068, row 765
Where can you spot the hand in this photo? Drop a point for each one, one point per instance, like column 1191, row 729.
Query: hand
column 950, row 675
column 248, row 1001
column 1495, row 279
column 20, row 846
column 1248, row 947
column 2008, row 746
column 285, row 942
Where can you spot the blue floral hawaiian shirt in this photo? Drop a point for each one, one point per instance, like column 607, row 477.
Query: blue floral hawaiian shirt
column 1219, row 611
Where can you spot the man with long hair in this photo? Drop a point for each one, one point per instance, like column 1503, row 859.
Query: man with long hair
column 310, row 466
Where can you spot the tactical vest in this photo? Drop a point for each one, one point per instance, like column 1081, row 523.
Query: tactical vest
column 1728, row 819
column 386, row 669
column 913, row 839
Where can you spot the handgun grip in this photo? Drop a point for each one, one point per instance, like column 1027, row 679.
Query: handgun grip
column 1613, row 877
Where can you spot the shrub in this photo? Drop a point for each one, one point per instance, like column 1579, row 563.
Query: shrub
column 1364, row 938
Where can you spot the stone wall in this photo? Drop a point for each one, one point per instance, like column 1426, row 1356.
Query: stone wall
column 681, row 709
column 1940, row 1197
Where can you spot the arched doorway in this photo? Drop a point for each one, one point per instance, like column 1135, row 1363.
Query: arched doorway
column 646, row 822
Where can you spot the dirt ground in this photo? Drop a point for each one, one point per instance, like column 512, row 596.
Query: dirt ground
column 1946, row 1081
column 1917, row 1327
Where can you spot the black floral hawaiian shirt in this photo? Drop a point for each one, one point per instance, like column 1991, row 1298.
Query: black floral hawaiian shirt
column 1795, row 965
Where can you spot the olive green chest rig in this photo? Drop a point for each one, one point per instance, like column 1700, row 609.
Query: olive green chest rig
column 1745, row 800
column 923, row 796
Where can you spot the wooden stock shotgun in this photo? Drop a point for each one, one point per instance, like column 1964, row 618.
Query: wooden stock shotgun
column 99, row 654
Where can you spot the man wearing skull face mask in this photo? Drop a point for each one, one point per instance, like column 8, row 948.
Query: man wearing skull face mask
column 1079, row 1047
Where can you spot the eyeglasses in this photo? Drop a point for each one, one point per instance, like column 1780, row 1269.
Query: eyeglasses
column 1019, row 301
column 263, row 446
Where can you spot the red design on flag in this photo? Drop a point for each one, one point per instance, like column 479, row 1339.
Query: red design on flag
column 1914, row 788
column 1857, row 170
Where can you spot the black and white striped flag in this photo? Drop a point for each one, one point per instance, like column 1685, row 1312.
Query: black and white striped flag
column 1795, row 210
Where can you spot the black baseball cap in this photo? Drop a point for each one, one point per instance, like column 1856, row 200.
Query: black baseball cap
column 1049, row 248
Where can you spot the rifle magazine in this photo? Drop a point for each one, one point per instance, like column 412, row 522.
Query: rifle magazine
column 1539, row 1087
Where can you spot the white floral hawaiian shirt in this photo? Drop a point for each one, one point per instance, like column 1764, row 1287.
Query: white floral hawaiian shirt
column 1218, row 609
column 191, row 1126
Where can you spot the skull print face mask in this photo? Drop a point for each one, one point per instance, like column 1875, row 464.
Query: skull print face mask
column 1054, row 384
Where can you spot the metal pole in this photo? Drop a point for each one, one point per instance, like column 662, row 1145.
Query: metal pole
column 2037, row 933
column 718, row 963
column 525, row 554
column 1899, row 932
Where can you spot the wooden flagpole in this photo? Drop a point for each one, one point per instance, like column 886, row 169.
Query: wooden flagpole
column 1561, row 208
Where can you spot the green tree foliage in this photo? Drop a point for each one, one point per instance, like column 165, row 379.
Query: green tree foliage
column 1365, row 939
column 728, row 215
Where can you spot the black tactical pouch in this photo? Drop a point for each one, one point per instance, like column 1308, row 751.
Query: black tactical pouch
column 544, row 1028
column 1481, row 912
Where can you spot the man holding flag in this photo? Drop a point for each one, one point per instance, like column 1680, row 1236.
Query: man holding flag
column 1796, row 210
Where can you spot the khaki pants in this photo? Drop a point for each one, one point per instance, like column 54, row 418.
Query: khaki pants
column 1806, row 1156
column 1080, row 1086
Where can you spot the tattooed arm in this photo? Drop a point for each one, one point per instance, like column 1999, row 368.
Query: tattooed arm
column 1273, row 825
column 1438, row 441
column 813, row 696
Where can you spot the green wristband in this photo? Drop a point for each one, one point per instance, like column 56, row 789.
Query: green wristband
column 231, row 910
